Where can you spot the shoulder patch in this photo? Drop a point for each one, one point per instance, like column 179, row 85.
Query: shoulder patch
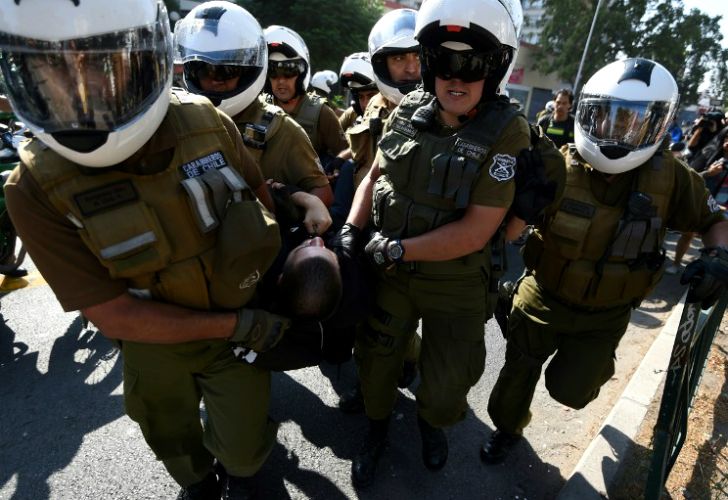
column 199, row 166
column 503, row 167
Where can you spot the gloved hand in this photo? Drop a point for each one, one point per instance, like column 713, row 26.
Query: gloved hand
column 707, row 275
column 383, row 251
column 534, row 191
column 258, row 329
column 347, row 242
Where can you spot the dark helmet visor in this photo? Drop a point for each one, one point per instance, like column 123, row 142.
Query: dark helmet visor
column 468, row 66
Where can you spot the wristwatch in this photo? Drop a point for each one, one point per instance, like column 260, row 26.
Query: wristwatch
column 395, row 251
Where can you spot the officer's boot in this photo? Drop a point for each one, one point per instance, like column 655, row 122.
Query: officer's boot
column 365, row 462
column 434, row 445
column 352, row 401
column 239, row 488
column 497, row 448
column 207, row 489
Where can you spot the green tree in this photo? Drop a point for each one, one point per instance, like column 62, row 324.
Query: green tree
column 332, row 29
column 687, row 44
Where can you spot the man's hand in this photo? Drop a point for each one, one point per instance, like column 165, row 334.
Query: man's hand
column 258, row 329
column 384, row 252
column 707, row 275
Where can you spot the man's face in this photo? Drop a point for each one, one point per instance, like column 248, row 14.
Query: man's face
column 284, row 87
column 561, row 107
column 312, row 247
column 364, row 97
column 217, row 78
column 404, row 67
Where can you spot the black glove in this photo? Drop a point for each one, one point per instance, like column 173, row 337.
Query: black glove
column 384, row 252
column 258, row 329
column 534, row 191
column 707, row 275
column 347, row 242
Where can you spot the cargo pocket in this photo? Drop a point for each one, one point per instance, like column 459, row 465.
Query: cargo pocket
column 576, row 280
column 467, row 350
column 395, row 148
column 128, row 240
column 569, row 234
column 612, row 282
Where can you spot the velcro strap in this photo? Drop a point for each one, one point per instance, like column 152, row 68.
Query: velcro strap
column 203, row 210
column 469, row 174
column 126, row 246
column 220, row 193
column 438, row 172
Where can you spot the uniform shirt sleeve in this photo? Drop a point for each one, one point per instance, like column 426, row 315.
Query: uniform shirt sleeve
column 74, row 273
column 692, row 208
column 248, row 167
column 330, row 133
column 347, row 119
column 495, row 186
column 301, row 164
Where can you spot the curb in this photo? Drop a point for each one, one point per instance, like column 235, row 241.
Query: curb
column 595, row 473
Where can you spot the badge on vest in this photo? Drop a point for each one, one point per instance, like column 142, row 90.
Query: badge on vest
column 105, row 197
column 503, row 167
column 196, row 168
column 477, row 152
column 404, row 127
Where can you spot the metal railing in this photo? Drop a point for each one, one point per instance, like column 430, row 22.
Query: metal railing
column 689, row 353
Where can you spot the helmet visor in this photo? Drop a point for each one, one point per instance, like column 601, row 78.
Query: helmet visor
column 632, row 125
column 98, row 83
column 286, row 69
column 195, row 40
column 468, row 66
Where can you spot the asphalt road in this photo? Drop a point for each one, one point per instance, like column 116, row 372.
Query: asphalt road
column 64, row 434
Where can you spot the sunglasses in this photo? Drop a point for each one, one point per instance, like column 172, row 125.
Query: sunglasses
column 285, row 69
column 204, row 70
column 468, row 66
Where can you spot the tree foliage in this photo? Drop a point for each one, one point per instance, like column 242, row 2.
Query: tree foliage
column 687, row 44
column 332, row 29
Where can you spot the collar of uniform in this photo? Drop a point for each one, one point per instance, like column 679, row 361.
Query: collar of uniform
column 163, row 140
column 249, row 114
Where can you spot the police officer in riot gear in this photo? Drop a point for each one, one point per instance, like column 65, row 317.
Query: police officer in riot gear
column 225, row 59
column 441, row 185
column 598, row 251
column 130, row 202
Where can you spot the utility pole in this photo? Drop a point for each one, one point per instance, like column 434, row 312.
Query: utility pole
column 586, row 48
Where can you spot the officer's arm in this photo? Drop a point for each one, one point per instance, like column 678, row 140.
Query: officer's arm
column 361, row 206
column 514, row 228
column 147, row 321
column 456, row 239
column 324, row 193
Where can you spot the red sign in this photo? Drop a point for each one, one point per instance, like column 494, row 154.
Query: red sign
column 517, row 75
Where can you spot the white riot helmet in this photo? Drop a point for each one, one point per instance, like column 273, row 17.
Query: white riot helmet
column 91, row 79
column 324, row 80
column 287, row 53
column 394, row 33
column 550, row 106
column 469, row 39
column 623, row 114
column 357, row 75
column 220, row 41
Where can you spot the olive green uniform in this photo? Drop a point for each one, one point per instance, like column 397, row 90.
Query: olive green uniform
column 359, row 136
column 450, row 296
column 320, row 123
column 347, row 118
column 584, row 278
column 280, row 146
column 71, row 224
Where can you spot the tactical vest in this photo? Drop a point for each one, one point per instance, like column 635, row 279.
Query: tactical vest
column 308, row 117
column 163, row 232
column 596, row 256
column 257, row 130
column 426, row 180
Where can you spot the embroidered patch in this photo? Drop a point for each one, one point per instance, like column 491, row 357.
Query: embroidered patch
column 404, row 127
column 713, row 205
column 197, row 167
column 251, row 280
column 106, row 197
column 474, row 151
column 503, row 167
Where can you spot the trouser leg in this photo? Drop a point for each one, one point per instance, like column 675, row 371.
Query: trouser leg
column 585, row 358
column 238, row 431
column 527, row 348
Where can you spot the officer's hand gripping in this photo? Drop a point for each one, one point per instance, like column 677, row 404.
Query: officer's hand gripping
column 258, row 329
column 347, row 242
column 384, row 252
column 707, row 275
